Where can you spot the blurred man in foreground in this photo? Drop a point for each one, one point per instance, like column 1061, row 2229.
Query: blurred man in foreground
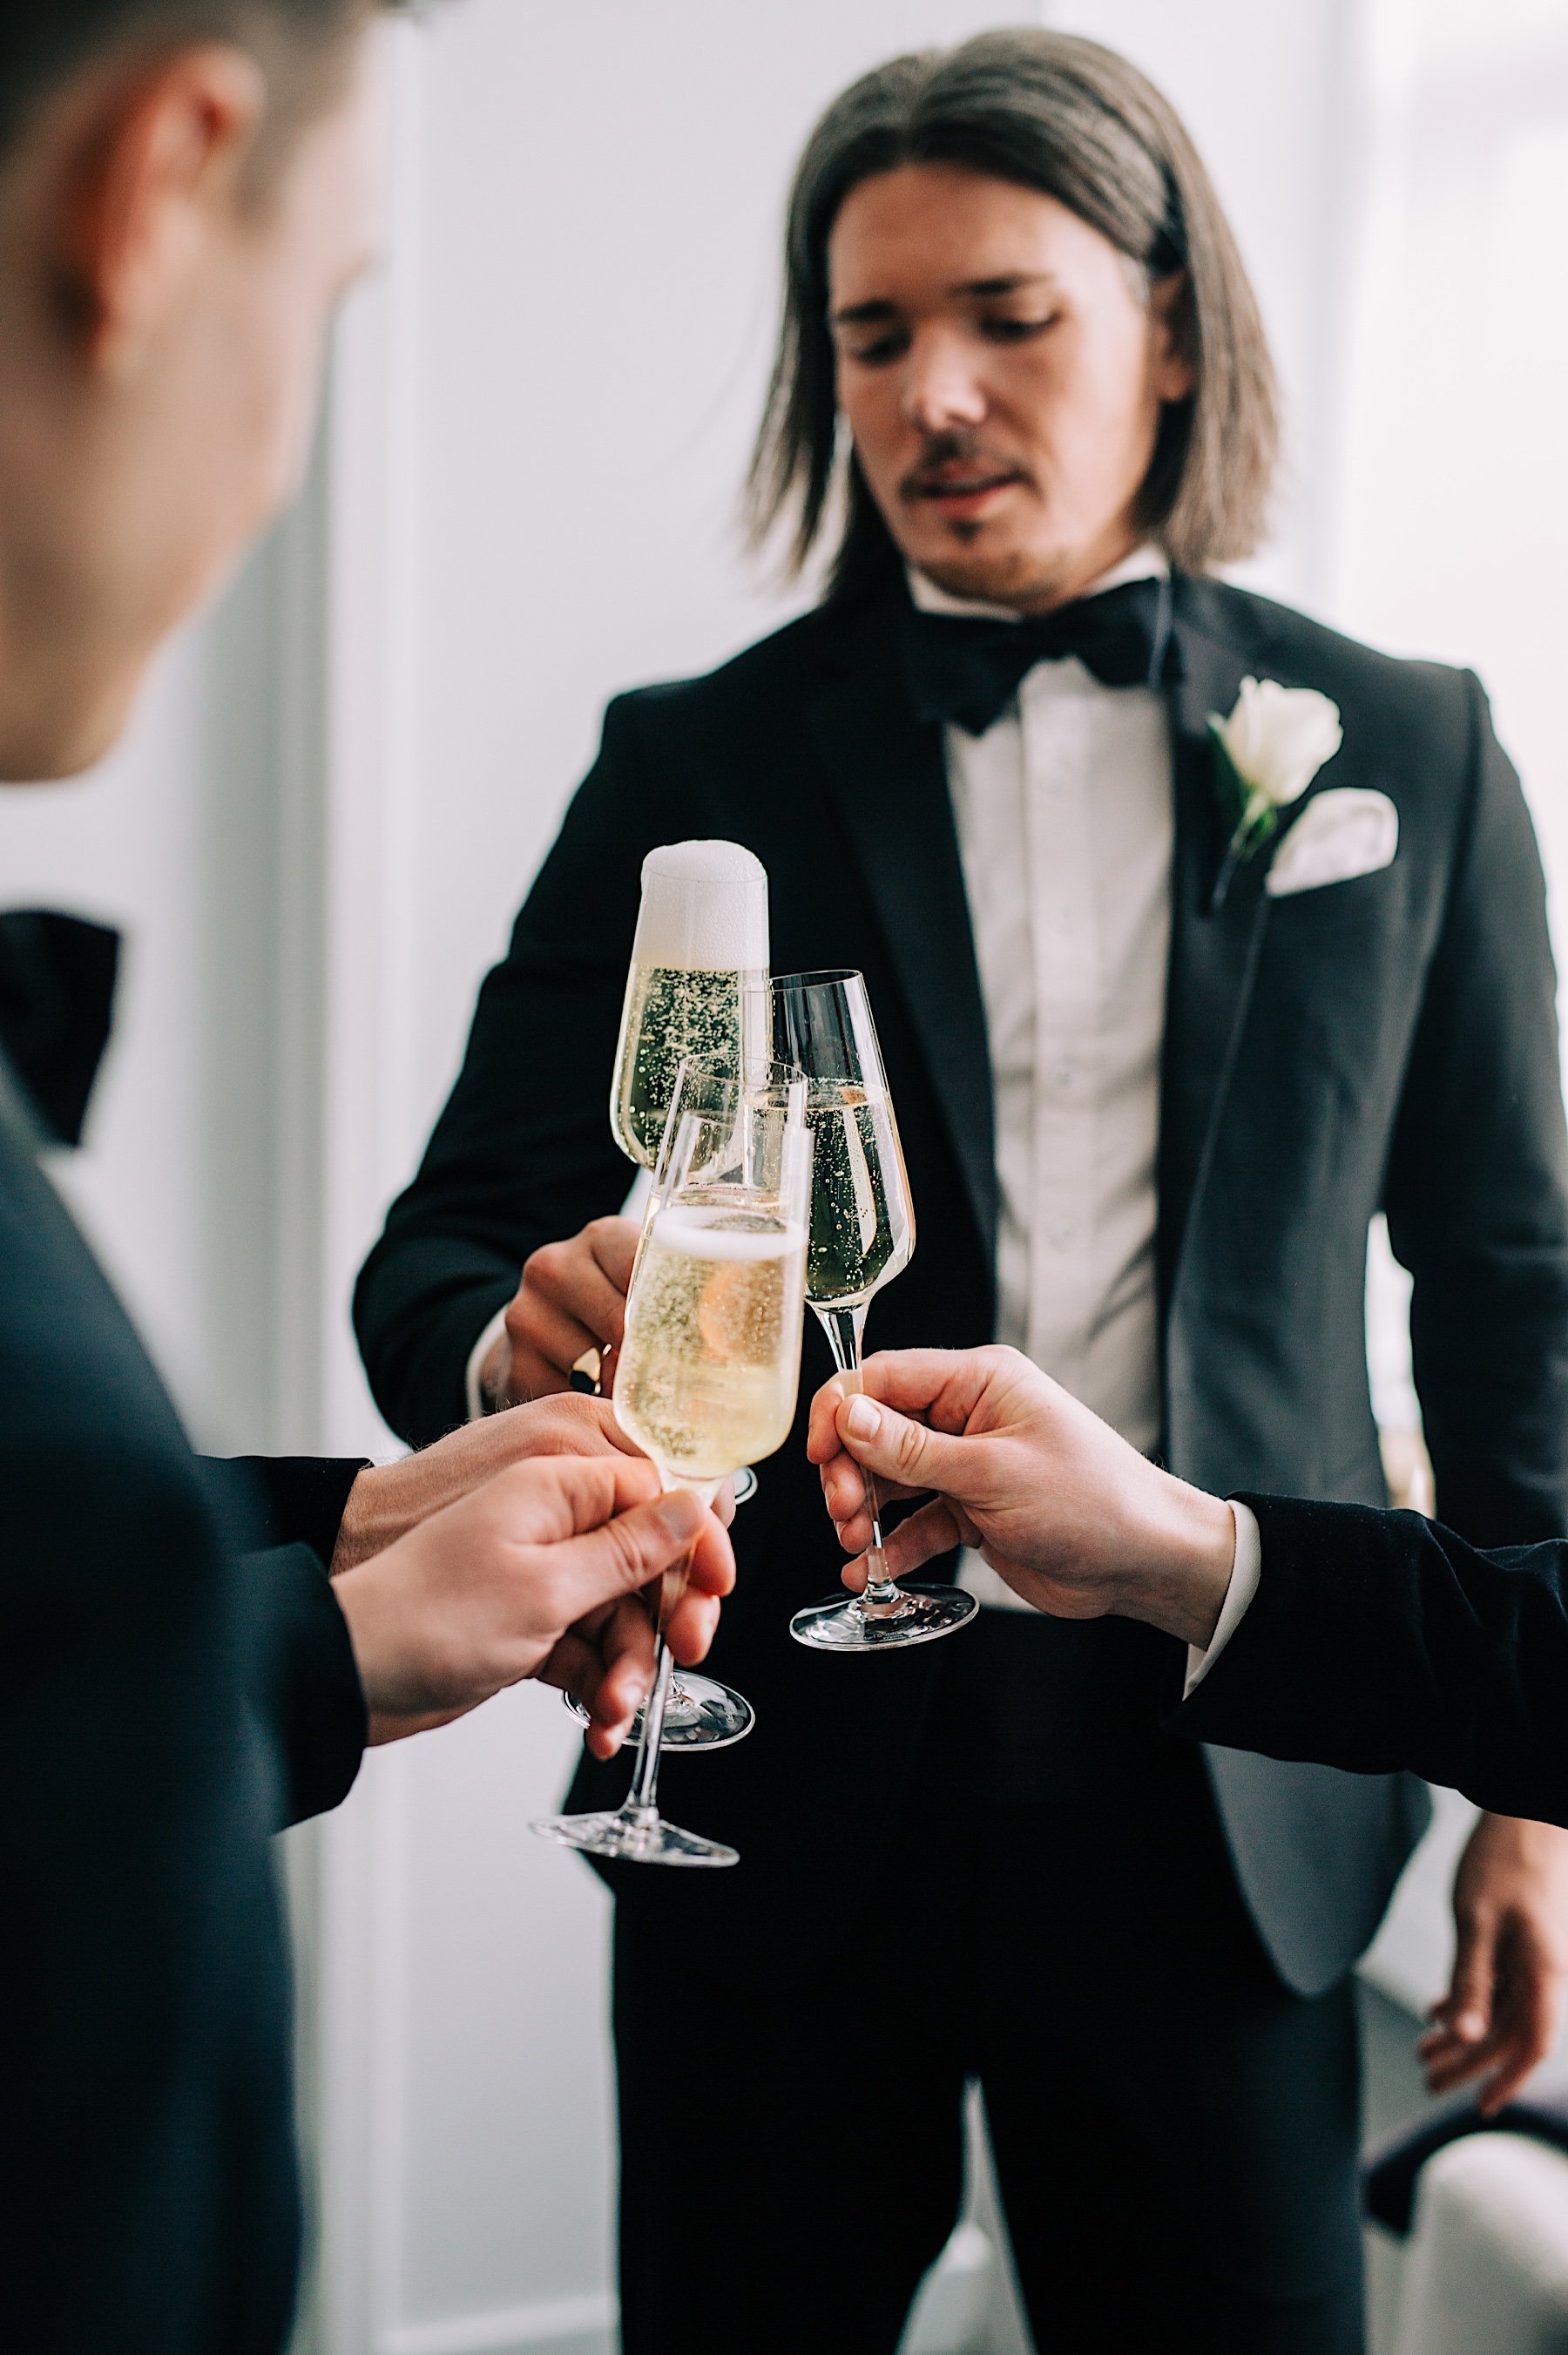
column 1361, row 1639
column 184, row 189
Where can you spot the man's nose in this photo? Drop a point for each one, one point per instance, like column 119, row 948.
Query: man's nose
column 942, row 388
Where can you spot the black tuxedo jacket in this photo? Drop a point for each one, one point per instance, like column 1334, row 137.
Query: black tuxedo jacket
column 1384, row 1042
column 177, row 1683
column 1379, row 1640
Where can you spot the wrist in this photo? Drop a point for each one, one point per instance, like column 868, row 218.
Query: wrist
column 1180, row 1573
column 355, row 1542
column 384, row 1503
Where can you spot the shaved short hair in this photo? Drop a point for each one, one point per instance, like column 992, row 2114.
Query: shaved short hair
column 44, row 42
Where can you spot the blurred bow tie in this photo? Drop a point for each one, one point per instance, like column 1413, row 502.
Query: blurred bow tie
column 56, row 1001
column 964, row 672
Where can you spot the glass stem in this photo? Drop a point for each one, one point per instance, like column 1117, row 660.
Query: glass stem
column 641, row 1802
column 845, row 1329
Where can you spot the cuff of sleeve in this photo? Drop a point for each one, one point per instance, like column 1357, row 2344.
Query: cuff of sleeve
column 474, row 1395
column 292, row 1499
column 305, row 1682
column 1245, row 1572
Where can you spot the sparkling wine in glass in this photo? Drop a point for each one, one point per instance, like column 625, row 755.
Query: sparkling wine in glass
column 698, row 987
column 862, row 1233
column 708, row 1375
column 703, row 1713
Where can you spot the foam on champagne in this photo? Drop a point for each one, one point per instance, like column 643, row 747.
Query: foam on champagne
column 706, row 1231
column 698, row 984
column 705, row 909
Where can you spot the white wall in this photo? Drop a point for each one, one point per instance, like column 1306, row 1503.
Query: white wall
column 1454, row 496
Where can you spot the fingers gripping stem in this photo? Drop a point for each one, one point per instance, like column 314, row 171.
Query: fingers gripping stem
column 643, row 1797
column 846, row 1328
column 672, row 1586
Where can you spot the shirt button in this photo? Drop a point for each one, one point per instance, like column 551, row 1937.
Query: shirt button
column 1064, row 1075
column 1062, row 1235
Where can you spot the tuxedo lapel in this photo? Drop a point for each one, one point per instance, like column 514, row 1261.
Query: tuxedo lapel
column 890, row 781
column 1213, row 952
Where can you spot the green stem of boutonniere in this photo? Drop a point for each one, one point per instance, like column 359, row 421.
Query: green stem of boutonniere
column 1256, row 815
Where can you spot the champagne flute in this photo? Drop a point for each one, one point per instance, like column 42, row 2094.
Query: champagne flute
column 707, row 1374
column 698, row 986
column 862, row 1233
column 703, row 1713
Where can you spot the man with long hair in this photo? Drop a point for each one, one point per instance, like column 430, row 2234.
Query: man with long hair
column 185, row 189
column 1196, row 935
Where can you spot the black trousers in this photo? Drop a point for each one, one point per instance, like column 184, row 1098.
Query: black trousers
column 1176, row 2135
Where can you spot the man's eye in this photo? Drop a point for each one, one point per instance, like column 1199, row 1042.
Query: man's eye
column 881, row 348
column 1015, row 331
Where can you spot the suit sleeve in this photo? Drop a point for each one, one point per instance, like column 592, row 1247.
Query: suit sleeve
column 1376, row 1641
column 280, row 1517
column 522, row 1155
column 284, row 1500
column 302, row 1681
column 1476, row 1188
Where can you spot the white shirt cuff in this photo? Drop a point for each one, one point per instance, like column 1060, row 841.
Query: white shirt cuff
column 1245, row 1572
column 477, row 1409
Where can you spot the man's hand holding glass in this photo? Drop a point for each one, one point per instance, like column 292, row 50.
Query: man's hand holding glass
column 517, row 1547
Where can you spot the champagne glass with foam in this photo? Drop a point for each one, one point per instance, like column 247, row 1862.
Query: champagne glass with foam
column 862, row 1233
column 699, row 982
column 697, row 990
column 707, row 1374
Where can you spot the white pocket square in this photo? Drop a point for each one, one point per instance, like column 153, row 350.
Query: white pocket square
column 1341, row 833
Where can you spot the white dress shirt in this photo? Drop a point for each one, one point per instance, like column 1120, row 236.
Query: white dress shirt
column 1066, row 825
column 1065, row 821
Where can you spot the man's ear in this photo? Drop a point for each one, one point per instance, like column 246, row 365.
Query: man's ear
column 147, row 185
column 1170, row 337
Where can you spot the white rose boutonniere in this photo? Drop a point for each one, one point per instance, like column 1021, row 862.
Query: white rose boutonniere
column 1265, row 755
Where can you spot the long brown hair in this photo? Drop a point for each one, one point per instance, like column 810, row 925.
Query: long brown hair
column 1053, row 111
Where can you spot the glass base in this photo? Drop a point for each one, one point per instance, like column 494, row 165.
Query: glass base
column 842, row 1623
column 639, row 1835
column 702, row 1714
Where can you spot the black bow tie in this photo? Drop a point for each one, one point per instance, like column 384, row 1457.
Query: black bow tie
column 966, row 671
column 57, row 1000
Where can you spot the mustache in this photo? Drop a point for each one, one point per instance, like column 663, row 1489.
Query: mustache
column 954, row 449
